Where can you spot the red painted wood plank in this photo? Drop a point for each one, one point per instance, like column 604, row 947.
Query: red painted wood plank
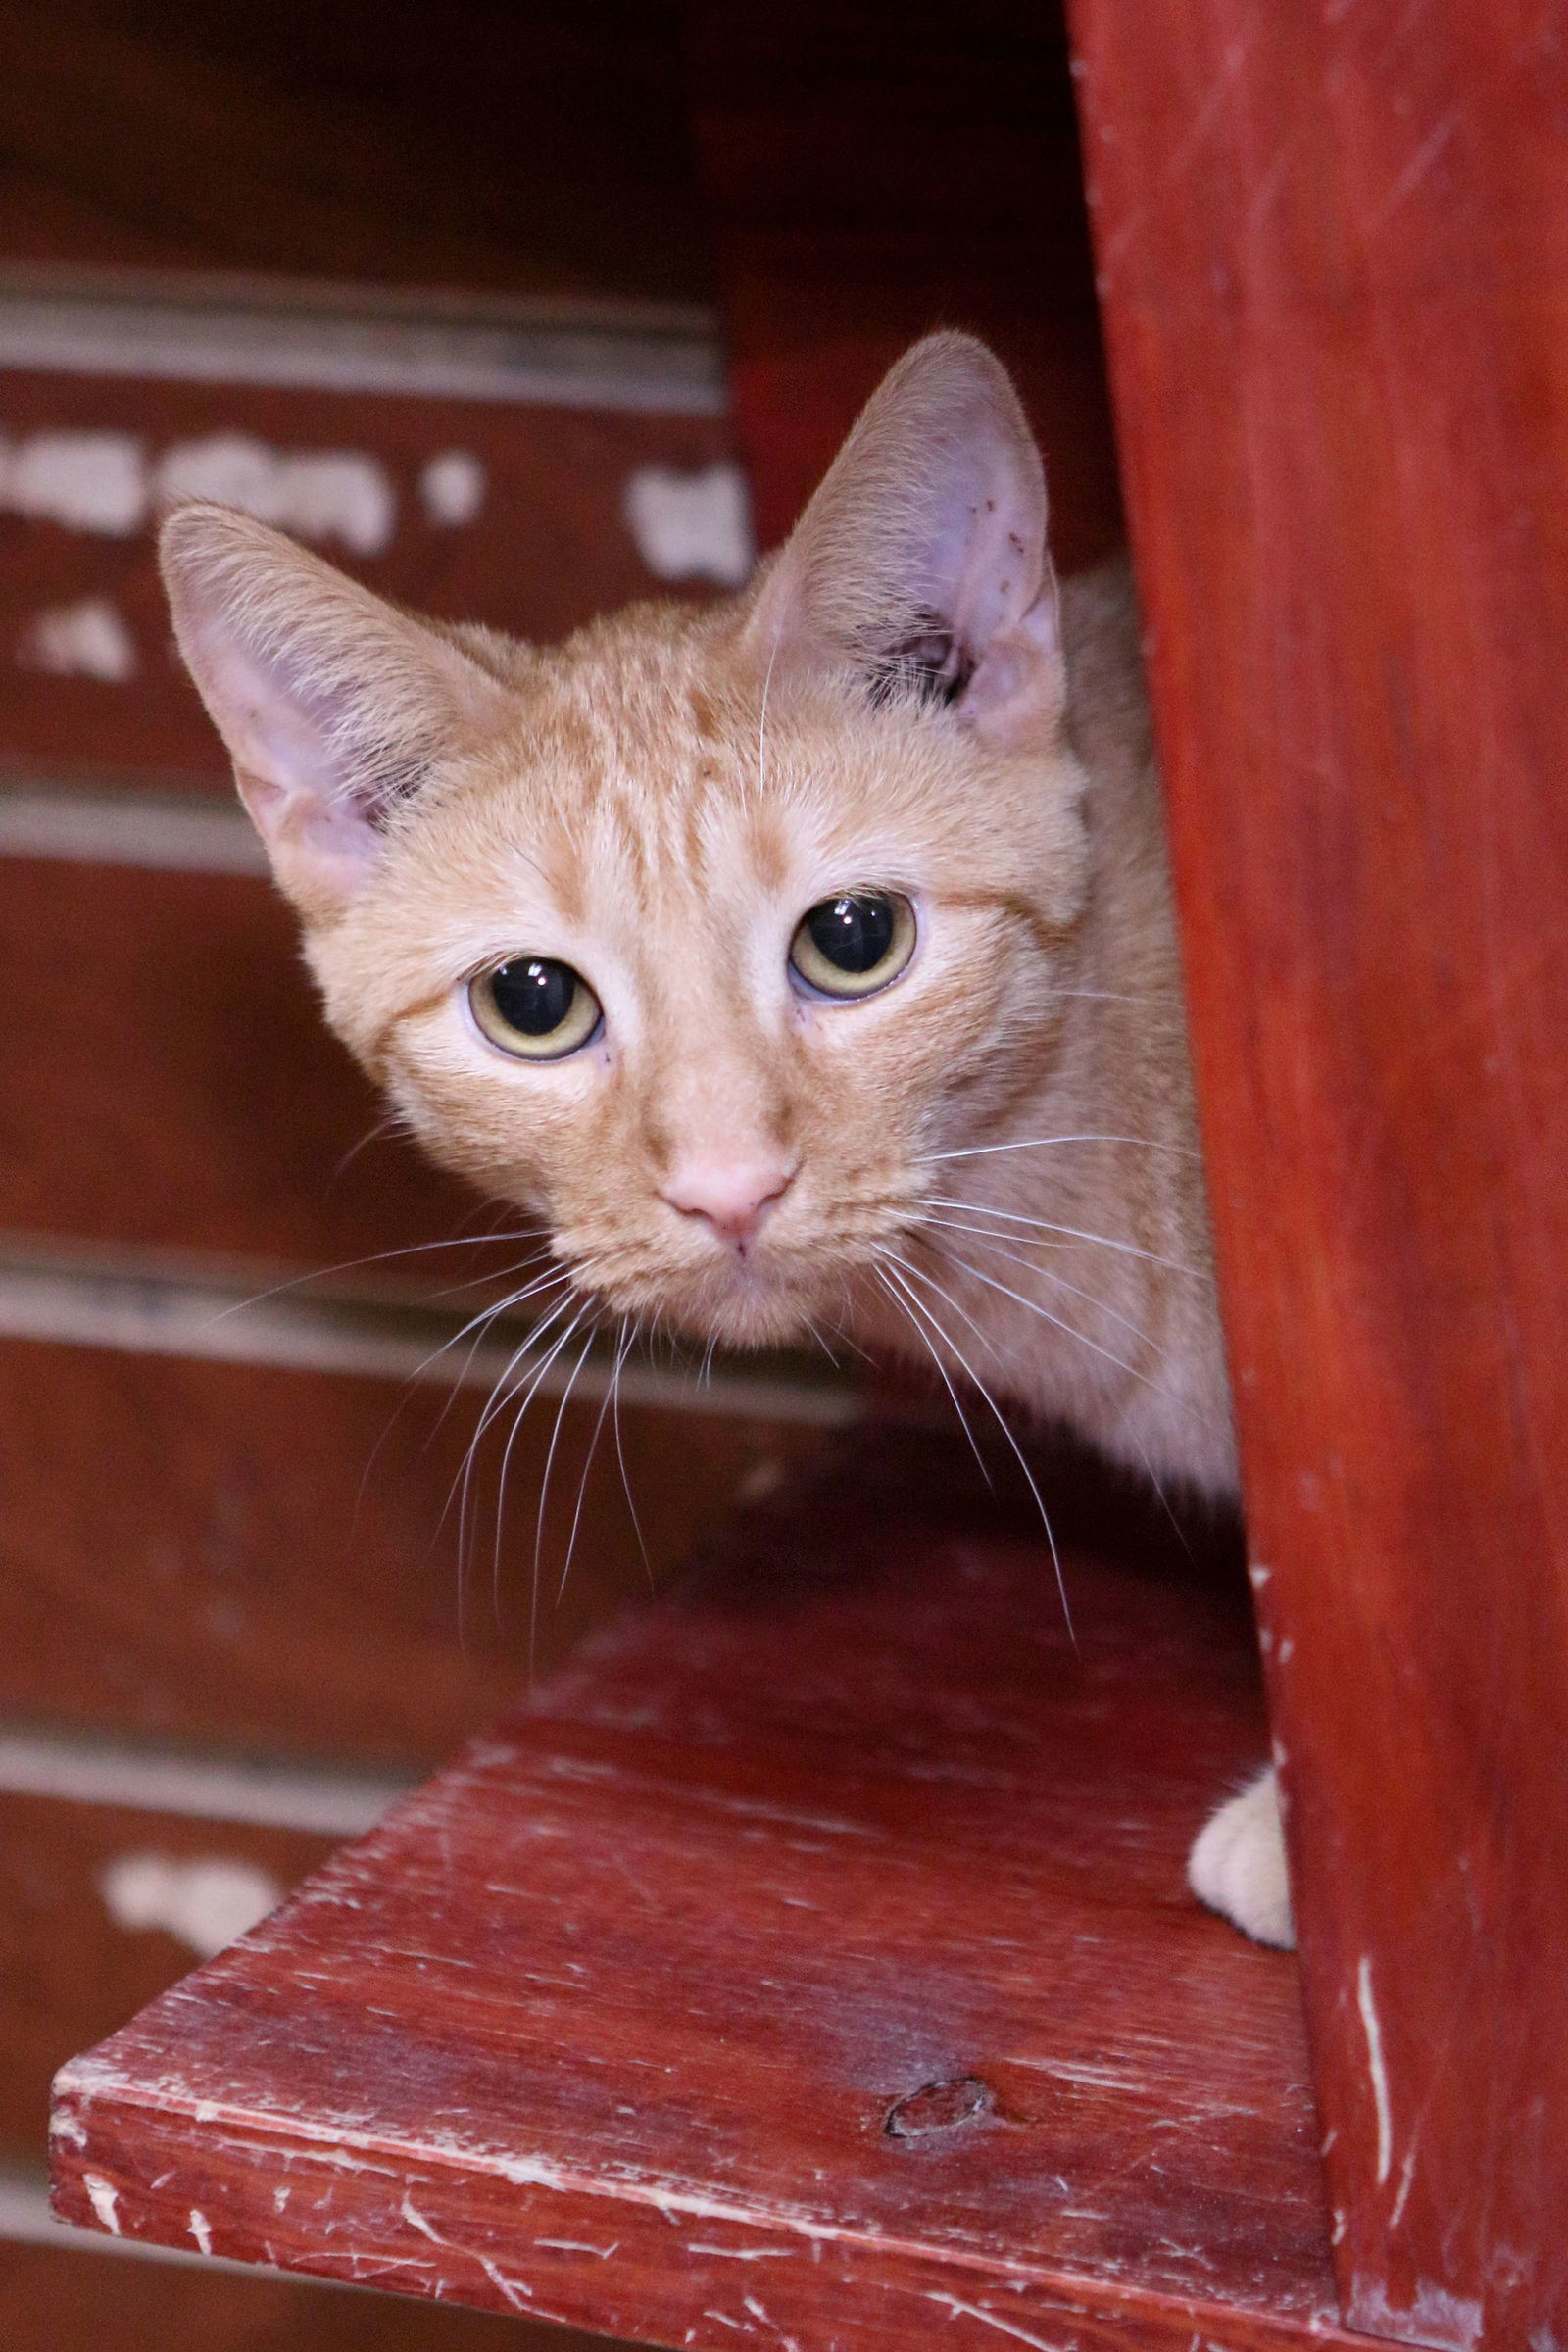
column 876, row 170
column 548, row 545
column 813, row 1965
column 69, row 2298
column 74, row 1951
column 1332, row 248
column 267, row 1561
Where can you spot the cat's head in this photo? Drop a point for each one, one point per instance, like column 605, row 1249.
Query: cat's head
column 698, row 934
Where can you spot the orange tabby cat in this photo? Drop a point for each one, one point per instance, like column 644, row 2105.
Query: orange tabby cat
column 802, row 959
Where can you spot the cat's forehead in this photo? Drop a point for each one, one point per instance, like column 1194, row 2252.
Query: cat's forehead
column 653, row 756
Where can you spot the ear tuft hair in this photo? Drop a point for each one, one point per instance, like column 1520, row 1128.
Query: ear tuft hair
column 922, row 557
column 334, row 706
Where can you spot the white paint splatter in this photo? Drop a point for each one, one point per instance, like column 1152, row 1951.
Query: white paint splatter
column 1433, row 2316
column 103, row 483
column 201, row 2230
column 453, row 487
column 232, row 468
column 339, row 494
column 103, row 2199
column 1374, row 2056
column 84, row 481
column 204, row 1903
column 88, row 639
column 342, row 494
column 692, row 526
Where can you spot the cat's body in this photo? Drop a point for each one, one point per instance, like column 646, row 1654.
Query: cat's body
column 850, row 896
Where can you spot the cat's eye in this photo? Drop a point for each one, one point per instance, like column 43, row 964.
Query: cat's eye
column 855, row 945
column 534, row 1008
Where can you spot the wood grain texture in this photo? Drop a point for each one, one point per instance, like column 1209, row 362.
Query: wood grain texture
column 267, row 1559
column 522, row 150
column 811, row 1966
column 70, row 1970
column 873, row 171
column 166, row 1080
column 70, row 2300
column 548, row 548
column 1332, row 248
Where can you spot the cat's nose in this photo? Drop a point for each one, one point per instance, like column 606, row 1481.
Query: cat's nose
column 732, row 1196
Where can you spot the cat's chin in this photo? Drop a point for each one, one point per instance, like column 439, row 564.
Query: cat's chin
column 749, row 1320
column 746, row 1313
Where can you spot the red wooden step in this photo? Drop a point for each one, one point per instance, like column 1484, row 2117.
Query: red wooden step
column 811, row 1965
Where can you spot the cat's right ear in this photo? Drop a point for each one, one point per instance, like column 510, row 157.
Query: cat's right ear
column 333, row 705
column 921, row 560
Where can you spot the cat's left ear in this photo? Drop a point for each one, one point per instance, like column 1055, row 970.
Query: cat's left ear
column 921, row 560
column 334, row 706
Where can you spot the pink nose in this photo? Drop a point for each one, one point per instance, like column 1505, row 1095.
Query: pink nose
column 732, row 1196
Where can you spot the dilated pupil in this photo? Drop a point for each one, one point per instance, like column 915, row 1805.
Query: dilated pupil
column 851, row 934
column 533, row 994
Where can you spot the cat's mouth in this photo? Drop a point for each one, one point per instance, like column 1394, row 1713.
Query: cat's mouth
column 763, row 1296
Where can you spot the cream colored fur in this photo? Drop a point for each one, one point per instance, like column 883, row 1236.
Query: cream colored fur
column 993, row 1161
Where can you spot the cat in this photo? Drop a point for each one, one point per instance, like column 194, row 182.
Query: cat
column 804, row 957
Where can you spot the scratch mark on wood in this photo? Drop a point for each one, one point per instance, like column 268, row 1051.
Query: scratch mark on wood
column 512, row 2289
column 103, row 2200
column 1417, row 169
column 1375, row 2066
column 201, row 2230
column 989, row 2319
column 1406, row 2174
column 746, row 2253
column 758, row 2313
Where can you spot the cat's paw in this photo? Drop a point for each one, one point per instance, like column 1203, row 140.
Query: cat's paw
column 1236, row 1865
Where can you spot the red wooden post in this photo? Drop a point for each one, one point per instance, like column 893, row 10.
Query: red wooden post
column 1333, row 246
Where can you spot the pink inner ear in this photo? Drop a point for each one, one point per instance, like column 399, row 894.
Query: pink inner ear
column 992, row 546
column 330, row 702
column 931, row 523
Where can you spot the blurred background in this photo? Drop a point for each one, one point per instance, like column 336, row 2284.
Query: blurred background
column 516, row 312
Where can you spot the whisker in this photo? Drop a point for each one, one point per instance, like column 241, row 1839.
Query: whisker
column 1005, row 1428
column 377, row 1257
column 1033, row 1143
column 1072, row 1232
column 629, row 1334
column 393, row 1122
column 477, row 1326
column 1164, row 1498
column 1045, row 1315
column 544, row 1494
column 1105, row 996
column 817, row 1336
column 500, row 1396
column 530, row 1386
column 761, row 723
column 909, row 1302
column 946, row 1295
column 1032, row 1266
column 582, row 1483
